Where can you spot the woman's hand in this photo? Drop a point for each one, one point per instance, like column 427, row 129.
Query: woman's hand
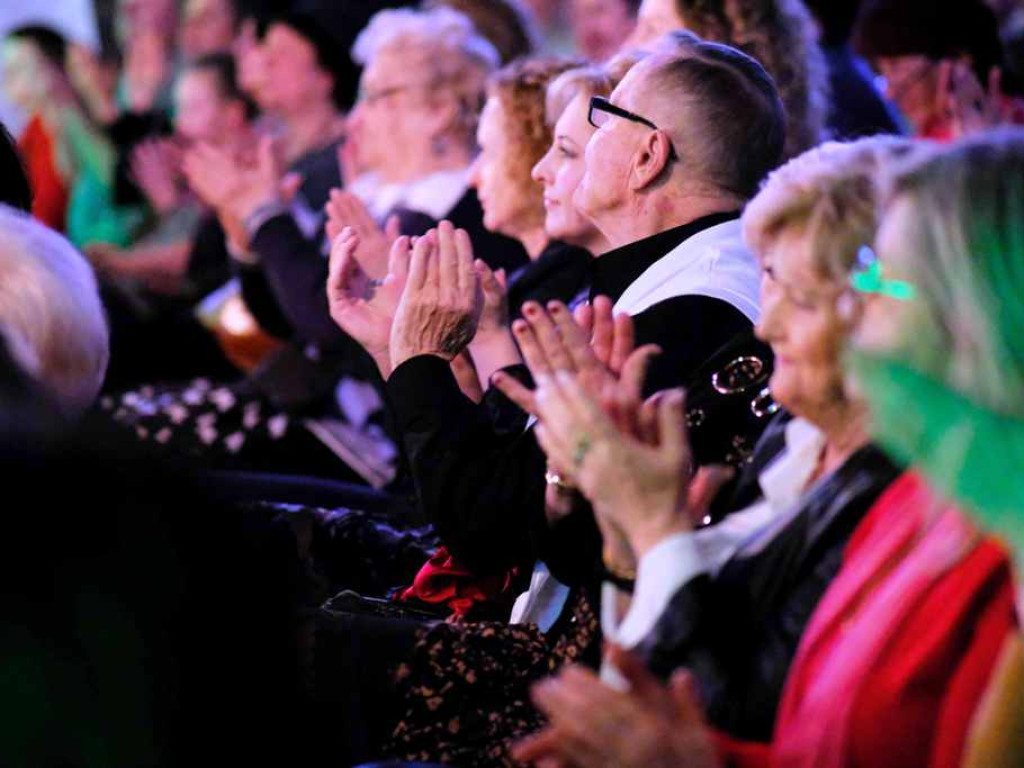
column 363, row 307
column 442, row 300
column 971, row 106
column 592, row 725
column 346, row 210
column 156, row 169
column 634, row 469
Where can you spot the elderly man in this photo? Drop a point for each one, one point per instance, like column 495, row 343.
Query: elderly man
column 682, row 143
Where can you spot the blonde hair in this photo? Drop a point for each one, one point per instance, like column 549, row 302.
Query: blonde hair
column 591, row 80
column 444, row 42
column 50, row 311
column 830, row 193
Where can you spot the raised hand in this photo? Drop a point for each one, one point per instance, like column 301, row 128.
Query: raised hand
column 346, row 210
column 156, row 169
column 442, row 301
column 635, row 477
column 592, row 725
column 364, row 307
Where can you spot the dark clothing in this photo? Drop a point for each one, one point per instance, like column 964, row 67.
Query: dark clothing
column 561, row 272
column 484, row 490
column 294, row 268
column 858, row 109
column 738, row 631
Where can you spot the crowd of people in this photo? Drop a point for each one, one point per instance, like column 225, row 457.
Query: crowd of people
column 491, row 383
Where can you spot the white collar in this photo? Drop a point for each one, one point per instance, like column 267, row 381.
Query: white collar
column 784, row 481
column 434, row 195
column 714, row 262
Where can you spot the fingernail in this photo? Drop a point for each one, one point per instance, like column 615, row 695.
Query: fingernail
column 554, row 308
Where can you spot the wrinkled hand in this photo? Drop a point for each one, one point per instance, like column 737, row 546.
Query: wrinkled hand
column 156, row 169
column 494, row 315
column 442, row 301
column 346, row 210
column 594, row 726
column 636, row 476
column 363, row 307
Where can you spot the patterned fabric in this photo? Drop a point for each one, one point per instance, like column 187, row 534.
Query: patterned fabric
column 226, row 426
column 466, row 685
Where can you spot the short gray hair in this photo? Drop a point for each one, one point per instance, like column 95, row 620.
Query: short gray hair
column 50, row 311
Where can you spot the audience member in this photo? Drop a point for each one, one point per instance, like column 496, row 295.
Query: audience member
column 51, row 317
column 943, row 65
column 506, row 24
column 857, row 108
column 207, row 27
column 907, row 636
column 779, row 34
column 600, row 28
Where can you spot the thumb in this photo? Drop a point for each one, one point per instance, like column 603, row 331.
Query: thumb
column 290, row 186
column 502, row 278
column 685, row 696
column 672, row 426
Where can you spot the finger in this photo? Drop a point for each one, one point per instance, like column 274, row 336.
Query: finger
column 554, row 447
column 540, row 746
column 584, row 317
column 393, row 227
column 399, row 257
column 574, row 338
column 686, row 696
column 623, row 342
column 672, row 428
column 643, row 685
column 533, row 353
column 603, row 333
column 493, row 288
column 634, row 373
column 466, row 272
column 290, row 186
column 419, row 264
column 502, row 278
column 548, row 337
column 647, row 423
column 448, row 260
column 515, row 391
column 341, row 263
column 705, row 487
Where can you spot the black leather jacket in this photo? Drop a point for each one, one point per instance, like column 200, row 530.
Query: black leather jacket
column 739, row 630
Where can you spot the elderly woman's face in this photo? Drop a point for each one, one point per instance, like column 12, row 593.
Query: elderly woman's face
column 390, row 123
column 560, row 171
column 502, row 201
column 799, row 318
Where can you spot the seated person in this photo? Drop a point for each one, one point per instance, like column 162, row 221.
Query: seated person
column 902, row 644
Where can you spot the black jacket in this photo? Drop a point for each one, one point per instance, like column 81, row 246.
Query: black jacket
column 738, row 631
column 482, row 488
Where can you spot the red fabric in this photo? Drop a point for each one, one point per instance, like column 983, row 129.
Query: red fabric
column 442, row 579
column 49, row 193
column 900, row 650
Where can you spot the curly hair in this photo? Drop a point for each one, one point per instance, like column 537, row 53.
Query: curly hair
column 521, row 89
column 781, row 35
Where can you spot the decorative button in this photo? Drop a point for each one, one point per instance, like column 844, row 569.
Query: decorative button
column 739, row 375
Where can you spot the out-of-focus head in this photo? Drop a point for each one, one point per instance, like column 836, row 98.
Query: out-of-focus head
column 250, row 57
column 137, row 17
column 208, row 105
column 422, row 89
column 33, row 62
column 780, row 34
column 718, row 129
column 513, row 136
column 50, row 311
column 207, row 26
column 15, row 191
column 908, row 40
column 835, row 18
column 952, row 229
column 303, row 64
column 506, row 24
column 808, row 226
column 561, row 168
column 601, row 27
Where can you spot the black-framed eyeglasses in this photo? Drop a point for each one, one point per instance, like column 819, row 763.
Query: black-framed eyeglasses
column 601, row 109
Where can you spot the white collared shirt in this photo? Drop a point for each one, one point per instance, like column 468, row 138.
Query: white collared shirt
column 434, row 195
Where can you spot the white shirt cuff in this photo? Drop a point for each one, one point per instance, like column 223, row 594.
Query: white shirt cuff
column 661, row 573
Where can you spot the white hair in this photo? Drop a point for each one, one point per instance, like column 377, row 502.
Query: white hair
column 50, row 311
column 443, row 30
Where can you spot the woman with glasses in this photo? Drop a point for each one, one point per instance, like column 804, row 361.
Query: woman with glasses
column 919, row 621
column 941, row 66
